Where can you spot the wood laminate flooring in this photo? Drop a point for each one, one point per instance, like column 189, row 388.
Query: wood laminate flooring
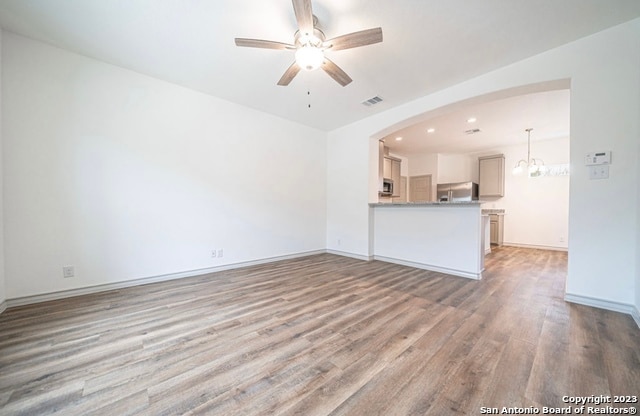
column 320, row 335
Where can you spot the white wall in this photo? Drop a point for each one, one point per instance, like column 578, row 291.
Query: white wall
column 348, row 165
column 3, row 295
column 125, row 176
column 425, row 164
column 456, row 168
column 605, row 103
column 637, row 303
column 537, row 209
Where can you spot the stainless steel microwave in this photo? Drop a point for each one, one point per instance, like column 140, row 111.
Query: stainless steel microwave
column 387, row 187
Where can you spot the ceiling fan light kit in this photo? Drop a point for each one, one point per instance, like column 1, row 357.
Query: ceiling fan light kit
column 309, row 57
column 310, row 45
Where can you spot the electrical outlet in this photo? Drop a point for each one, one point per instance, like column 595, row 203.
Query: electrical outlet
column 220, row 253
column 214, row 253
column 68, row 271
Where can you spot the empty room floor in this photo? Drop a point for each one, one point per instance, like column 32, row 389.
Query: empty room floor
column 321, row 335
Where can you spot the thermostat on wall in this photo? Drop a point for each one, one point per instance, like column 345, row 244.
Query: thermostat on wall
column 598, row 158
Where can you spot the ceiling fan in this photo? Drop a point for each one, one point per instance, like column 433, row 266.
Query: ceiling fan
column 310, row 44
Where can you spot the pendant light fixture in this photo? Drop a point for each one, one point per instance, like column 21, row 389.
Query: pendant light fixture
column 534, row 166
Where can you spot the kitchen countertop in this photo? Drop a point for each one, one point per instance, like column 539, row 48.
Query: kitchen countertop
column 425, row 204
column 493, row 211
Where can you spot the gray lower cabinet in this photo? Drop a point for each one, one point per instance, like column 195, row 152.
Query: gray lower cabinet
column 496, row 230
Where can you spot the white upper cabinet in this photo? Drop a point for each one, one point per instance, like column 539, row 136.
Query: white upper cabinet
column 386, row 169
column 395, row 177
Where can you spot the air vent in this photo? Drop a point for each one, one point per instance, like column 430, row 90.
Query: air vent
column 372, row 101
column 472, row 131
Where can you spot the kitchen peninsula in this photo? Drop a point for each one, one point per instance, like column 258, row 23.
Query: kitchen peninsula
column 446, row 237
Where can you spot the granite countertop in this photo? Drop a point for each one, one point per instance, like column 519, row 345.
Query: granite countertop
column 426, row 204
column 493, row 211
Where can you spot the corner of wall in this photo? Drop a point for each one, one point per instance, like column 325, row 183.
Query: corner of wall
column 636, row 315
column 3, row 296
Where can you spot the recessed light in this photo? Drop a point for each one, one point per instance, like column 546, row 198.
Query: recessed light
column 431, row 130
column 472, row 120
column 398, row 139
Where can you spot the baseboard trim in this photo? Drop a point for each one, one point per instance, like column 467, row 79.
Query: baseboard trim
column 533, row 246
column 635, row 314
column 454, row 272
column 3, row 306
column 27, row 300
column 605, row 304
column 347, row 254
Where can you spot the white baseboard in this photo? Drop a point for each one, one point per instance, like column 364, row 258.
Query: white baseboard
column 533, row 246
column 27, row 300
column 635, row 314
column 454, row 272
column 569, row 297
column 605, row 304
column 468, row 275
column 347, row 254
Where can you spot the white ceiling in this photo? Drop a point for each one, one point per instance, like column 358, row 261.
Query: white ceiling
column 501, row 123
column 428, row 45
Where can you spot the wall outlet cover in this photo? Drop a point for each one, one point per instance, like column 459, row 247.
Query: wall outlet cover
column 68, row 271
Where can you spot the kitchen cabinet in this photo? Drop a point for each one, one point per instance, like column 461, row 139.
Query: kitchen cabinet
column 402, row 190
column 491, row 177
column 391, row 170
column 386, row 168
column 395, row 176
column 496, row 229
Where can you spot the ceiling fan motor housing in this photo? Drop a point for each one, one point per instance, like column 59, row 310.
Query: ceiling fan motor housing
column 316, row 39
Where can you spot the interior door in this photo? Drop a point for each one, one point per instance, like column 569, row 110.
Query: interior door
column 420, row 188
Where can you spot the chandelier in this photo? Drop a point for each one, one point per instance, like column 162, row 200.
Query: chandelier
column 534, row 166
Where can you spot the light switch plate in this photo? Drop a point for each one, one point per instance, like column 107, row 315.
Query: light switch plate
column 599, row 172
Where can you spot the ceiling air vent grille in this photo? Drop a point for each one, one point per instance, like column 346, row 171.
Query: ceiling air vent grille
column 372, row 101
column 472, row 131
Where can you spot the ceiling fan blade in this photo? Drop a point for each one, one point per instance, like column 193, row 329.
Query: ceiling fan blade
column 289, row 74
column 260, row 43
column 304, row 16
column 335, row 72
column 355, row 39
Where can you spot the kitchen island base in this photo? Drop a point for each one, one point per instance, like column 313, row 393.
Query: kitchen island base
column 442, row 237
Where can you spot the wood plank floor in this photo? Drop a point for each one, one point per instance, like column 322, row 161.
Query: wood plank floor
column 320, row 335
